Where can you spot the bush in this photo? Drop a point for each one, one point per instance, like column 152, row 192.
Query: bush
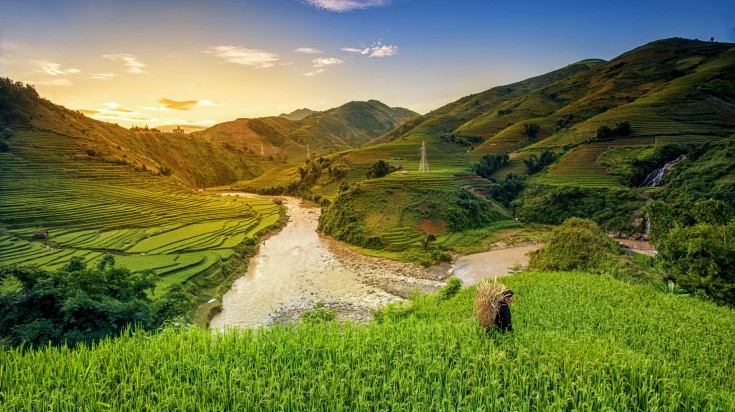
column 531, row 130
column 702, row 259
column 578, row 244
column 77, row 304
column 319, row 314
column 453, row 286
column 535, row 164
column 490, row 164
column 612, row 209
column 378, row 169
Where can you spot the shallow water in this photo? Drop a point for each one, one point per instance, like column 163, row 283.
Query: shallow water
column 473, row 268
column 297, row 267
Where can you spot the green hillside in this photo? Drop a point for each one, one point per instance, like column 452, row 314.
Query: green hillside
column 580, row 342
column 668, row 92
column 344, row 127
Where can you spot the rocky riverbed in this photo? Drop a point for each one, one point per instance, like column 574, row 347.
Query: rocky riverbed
column 297, row 267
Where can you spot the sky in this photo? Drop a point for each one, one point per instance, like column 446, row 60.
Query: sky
column 201, row 62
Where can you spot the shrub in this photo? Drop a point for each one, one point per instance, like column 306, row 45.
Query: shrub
column 319, row 314
column 76, row 304
column 578, row 244
column 531, row 130
column 378, row 169
column 489, row 164
column 453, row 286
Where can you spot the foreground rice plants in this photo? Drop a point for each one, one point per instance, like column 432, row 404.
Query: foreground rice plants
column 582, row 342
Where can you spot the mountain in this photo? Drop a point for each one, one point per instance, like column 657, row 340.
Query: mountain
column 238, row 150
column 345, row 127
column 672, row 92
column 298, row 114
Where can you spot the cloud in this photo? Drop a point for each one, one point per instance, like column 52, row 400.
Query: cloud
column 103, row 76
column 384, row 50
column 353, row 50
column 314, row 73
column 327, row 61
column 168, row 104
column 113, row 111
column 240, row 55
column 307, row 50
column 178, row 105
column 53, row 82
column 134, row 65
column 376, row 50
column 54, row 69
column 340, row 6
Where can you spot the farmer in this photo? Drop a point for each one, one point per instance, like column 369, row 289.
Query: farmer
column 502, row 319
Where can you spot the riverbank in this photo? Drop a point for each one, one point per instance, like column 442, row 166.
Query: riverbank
column 298, row 267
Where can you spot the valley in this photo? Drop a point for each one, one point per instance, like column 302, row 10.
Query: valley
column 328, row 260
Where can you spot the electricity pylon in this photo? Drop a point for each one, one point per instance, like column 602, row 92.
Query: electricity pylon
column 423, row 164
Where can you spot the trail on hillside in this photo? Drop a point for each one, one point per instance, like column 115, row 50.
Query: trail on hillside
column 298, row 267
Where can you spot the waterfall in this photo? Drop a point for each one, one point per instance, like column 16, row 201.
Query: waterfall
column 654, row 178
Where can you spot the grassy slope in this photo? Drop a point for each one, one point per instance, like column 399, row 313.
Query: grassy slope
column 581, row 342
column 673, row 90
column 91, row 206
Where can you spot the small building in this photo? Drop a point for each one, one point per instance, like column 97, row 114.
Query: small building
column 178, row 130
column 40, row 234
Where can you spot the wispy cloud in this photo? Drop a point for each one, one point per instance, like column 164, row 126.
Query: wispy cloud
column 314, row 73
column 53, row 82
column 168, row 104
column 346, row 5
column 327, row 61
column 376, row 50
column 241, row 55
column 307, row 50
column 54, row 69
column 103, row 76
column 115, row 112
column 134, row 65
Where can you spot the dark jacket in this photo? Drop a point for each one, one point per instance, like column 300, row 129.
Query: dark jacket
column 502, row 319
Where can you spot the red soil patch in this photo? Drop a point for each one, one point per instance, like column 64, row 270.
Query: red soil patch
column 427, row 226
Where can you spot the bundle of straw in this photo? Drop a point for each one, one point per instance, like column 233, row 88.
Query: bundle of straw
column 487, row 301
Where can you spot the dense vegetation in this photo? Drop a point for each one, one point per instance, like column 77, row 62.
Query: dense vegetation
column 78, row 304
column 610, row 208
column 581, row 342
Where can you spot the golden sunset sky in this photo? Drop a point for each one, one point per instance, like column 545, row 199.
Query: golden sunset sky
column 197, row 62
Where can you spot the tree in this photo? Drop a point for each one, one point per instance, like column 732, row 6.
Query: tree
column 604, row 132
column 378, row 169
column 622, row 128
column 531, row 130
column 75, row 304
column 490, row 164
column 7, row 133
column 535, row 164
column 702, row 259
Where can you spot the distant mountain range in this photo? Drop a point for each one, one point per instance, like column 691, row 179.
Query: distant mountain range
column 672, row 90
column 297, row 114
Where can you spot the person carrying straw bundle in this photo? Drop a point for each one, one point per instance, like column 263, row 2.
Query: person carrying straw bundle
column 491, row 306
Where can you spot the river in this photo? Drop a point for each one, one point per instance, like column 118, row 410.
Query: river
column 297, row 267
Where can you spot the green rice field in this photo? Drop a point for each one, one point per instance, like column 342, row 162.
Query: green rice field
column 580, row 342
column 90, row 208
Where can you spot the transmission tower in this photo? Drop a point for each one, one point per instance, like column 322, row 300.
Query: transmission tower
column 308, row 152
column 423, row 165
column 262, row 151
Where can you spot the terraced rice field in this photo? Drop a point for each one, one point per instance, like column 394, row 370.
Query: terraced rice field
column 580, row 167
column 91, row 208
